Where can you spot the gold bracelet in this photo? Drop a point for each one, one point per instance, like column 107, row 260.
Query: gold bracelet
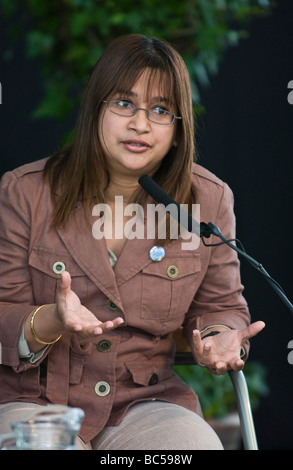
column 34, row 332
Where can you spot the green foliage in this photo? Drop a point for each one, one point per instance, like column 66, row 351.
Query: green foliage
column 68, row 36
column 216, row 393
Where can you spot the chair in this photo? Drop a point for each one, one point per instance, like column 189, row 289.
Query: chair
column 241, row 394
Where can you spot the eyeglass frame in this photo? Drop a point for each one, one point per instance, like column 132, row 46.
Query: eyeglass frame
column 135, row 109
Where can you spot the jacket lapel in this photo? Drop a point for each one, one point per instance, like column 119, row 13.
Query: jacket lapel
column 90, row 254
column 133, row 258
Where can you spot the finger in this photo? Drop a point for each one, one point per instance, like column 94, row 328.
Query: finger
column 65, row 284
column 252, row 330
column 206, row 357
column 108, row 325
column 220, row 368
column 98, row 331
column 197, row 347
column 197, row 343
column 63, row 290
column 114, row 323
column 237, row 364
column 76, row 327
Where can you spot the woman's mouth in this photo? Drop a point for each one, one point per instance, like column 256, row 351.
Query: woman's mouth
column 136, row 145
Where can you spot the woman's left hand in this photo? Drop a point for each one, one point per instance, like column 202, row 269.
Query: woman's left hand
column 221, row 352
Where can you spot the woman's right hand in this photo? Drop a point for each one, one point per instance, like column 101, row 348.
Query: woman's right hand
column 67, row 315
column 74, row 316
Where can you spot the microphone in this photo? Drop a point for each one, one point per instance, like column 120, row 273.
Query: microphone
column 183, row 218
column 205, row 230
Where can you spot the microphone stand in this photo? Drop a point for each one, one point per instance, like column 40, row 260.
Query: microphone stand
column 204, row 230
column 210, row 229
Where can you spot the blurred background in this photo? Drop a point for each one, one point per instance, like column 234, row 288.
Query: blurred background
column 240, row 58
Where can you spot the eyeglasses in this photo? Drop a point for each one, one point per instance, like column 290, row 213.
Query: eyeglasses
column 157, row 114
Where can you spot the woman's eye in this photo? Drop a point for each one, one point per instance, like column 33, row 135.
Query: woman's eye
column 160, row 110
column 124, row 104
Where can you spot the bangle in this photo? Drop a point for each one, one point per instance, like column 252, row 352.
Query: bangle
column 34, row 332
column 212, row 333
column 214, row 326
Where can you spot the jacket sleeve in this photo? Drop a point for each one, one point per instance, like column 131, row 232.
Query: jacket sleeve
column 16, row 296
column 219, row 299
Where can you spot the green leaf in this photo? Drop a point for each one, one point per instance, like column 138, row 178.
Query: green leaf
column 68, row 36
column 39, row 43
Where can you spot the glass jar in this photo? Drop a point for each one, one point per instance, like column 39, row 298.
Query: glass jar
column 52, row 427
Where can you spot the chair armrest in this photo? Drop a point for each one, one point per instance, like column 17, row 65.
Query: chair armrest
column 242, row 400
column 244, row 410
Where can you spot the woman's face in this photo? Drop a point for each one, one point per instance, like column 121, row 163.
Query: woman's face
column 133, row 145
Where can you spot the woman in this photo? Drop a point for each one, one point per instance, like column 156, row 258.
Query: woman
column 88, row 320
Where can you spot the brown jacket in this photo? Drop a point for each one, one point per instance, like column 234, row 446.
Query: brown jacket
column 105, row 375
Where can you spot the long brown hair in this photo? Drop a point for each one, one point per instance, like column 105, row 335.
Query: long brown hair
column 79, row 172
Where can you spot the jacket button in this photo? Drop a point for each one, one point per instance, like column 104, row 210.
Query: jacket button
column 172, row 271
column 104, row 345
column 111, row 306
column 154, row 379
column 58, row 267
column 102, row 388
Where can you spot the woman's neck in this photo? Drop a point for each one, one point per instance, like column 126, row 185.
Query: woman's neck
column 124, row 187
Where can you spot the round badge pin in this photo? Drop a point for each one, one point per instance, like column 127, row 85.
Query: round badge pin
column 157, row 253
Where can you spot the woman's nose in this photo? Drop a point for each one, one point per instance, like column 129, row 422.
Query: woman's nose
column 139, row 121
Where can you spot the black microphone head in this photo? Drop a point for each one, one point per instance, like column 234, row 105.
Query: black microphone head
column 154, row 190
column 157, row 193
column 144, row 180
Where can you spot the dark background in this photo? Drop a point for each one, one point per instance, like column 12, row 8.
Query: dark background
column 246, row 138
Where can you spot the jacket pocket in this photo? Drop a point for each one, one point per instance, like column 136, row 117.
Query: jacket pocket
column 79, row 348
column 76, row 365
column 45, row 269
column 170, row 285
column 147, row 374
